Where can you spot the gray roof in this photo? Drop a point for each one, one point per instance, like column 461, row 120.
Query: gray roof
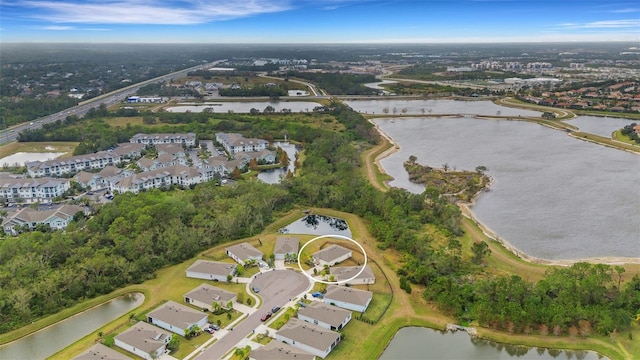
column 212, row 267
column 348, row 294
column 208, row 294
column 29, row 215
column 331, row 253
column 280, row 351
column 145, row 337
column 101, row 352
column 235, row 139
column 329, row 314
column 127, row 148
column 346, row 272
column 12, row 183
column 177, row 315
column 244, row 250
column 308, row 334
column 287, row 245
column 164, row 137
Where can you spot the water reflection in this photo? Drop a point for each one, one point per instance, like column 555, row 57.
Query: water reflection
column 317, row 225
column 423, row 343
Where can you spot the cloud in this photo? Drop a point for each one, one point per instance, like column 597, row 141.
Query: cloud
column 625, row 11
column 68, row 28
column 161, row 12
column 603, row 24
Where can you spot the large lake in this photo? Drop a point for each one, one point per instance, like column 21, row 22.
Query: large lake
column 554, row 197
column 417, row 343
column 433, row 107
column 602, row 126
column 245, row 107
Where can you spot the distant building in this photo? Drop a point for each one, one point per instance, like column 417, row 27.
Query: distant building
column 236, row 143
column 60, row 167
column 32, row 190
column 56, row 219
column 138, row 99
column 187, row 139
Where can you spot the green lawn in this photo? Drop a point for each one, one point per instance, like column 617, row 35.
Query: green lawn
column 186, row 347
column 262, row 339
column 224, row 318
column 282, row 318
column 377, row 306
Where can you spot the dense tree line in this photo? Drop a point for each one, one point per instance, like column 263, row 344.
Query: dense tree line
column 337, row 83
column 16, row 112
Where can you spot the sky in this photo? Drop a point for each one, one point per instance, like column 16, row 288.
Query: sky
column 319, row 21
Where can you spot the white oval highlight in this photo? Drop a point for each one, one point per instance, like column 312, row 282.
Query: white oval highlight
column 332, row 282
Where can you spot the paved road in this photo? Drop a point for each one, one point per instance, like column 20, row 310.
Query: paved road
column 276, row 288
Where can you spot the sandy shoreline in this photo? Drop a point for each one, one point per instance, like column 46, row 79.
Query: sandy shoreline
column 466, row 211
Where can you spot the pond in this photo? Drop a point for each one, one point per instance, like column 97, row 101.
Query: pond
column 554, row 197
column 246, row 106
column 56, row 337
column 21, row 158
column 317, row 225
column 598, row 125
column 422, row 343
column 433, row 107
column 274, row 176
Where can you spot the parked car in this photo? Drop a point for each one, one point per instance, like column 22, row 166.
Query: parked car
column 266, row 316
column 302, row 304
column 317, row 294
column 209, row 330
column 256, row 289
column 214, row 327
column 275, row 309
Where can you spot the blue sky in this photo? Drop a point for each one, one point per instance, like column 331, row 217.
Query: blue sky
column 319, row 21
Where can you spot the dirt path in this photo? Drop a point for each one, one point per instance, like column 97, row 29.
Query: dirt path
column 376, row 154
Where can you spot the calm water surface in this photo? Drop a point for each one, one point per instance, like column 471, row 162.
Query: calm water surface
column 245, row 107
column 47, row 342
column 554, row 197
column 411, row 343
column 433, row 107
column 598, row 125
column 274, row 176
column 23, row 157
column 317, row 225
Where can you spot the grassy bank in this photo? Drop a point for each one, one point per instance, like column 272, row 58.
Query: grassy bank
column 66, row 147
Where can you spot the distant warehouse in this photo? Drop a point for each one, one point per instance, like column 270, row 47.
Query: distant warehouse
column 138, row 99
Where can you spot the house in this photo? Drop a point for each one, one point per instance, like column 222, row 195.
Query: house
column 56, row 219
column 348, row 297
column 211, row 270
column 342, row 273
column 286, row 247
column 243, row 252
column 235, row 143
column 308, row 337
column 326, row 316
column 331, row 255
column 177, row 318
column 60, row 167
column 188, row 139
column 101, row 352
column 205, row 295
column 180, row 175
column 87, row 180
column 170, row 149
column 32, row 190
column 144, row 340
column 281, row 351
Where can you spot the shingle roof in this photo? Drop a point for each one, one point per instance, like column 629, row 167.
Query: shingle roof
column 212, row 267
column 177, row 315
column 308, row 334
column 275, row 350
column 346, row 272
column 348, row 294
column 101, row 352
column 331, row 253
column 208, row 294
column 286, row 245
column 145, row 337
column 244, row 250
column 329, row 314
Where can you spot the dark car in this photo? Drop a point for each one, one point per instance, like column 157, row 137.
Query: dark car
column 214, row 327
column 256, row 289
column 275, row 309
column 209, row 330
column 266, row 316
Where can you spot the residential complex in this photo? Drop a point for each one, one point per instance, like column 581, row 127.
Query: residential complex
column 32, row 190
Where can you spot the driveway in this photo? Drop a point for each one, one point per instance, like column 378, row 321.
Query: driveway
column 276, row 288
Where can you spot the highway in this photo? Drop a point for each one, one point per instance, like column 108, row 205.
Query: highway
column 11, row 134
